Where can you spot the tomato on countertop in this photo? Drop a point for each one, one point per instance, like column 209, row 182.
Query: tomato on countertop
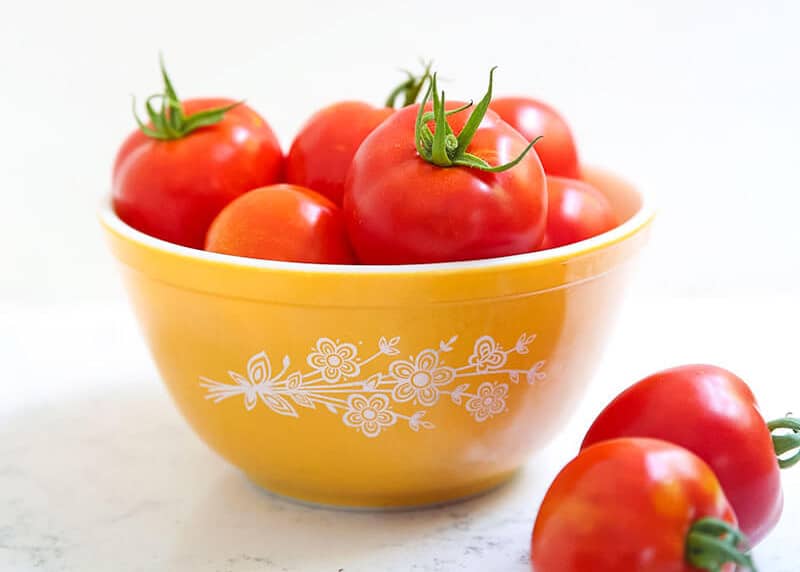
column 323, row 150
column 418, row 195
column 714, row 414
column 281, row 222
column 534, row 118
column 636, row 505
column 172, row 176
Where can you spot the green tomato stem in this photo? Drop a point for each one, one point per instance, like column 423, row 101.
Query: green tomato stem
column 786, row 442
column 409, row 89
column 442, row 147
column 711, row 543
column 168, row 122
column 439, row 154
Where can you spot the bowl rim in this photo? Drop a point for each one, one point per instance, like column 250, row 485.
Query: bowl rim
column 637, row 221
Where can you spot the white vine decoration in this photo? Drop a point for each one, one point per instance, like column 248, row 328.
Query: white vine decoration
column 336, row 381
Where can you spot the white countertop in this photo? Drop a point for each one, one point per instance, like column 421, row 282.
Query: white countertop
column 99, row 473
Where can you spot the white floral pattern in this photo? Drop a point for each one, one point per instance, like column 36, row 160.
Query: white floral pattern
column 487, row 354
column 489, row 400
column 334, row 360
column 368, row 414
column 369, row 402
column 420, row 379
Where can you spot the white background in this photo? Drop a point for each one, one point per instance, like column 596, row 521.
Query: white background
column 698, row 103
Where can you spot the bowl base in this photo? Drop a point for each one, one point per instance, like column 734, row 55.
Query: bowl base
column 419, row 500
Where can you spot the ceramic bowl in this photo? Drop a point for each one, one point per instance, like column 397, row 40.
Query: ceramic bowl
column 380, row 386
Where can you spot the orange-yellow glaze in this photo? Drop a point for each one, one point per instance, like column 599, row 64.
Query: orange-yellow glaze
column 505, row 349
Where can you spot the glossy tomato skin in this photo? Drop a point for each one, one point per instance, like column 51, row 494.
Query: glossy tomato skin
column 172, row 190
column 625, row 504
column 713, row 413
column 576, row 211
column 400, row 209
column 281, row 222
column 534, row 118
column 322, row 151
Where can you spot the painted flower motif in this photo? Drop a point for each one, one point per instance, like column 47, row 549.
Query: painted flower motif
column 368, row 414
column 487, row 354
column 535, row 373
column 333, row 360
column 294, row 389
column 420, row 378
column 521, row 347
column 294, row 381
column 257, row 380
column 365, row 403
column 489, row 400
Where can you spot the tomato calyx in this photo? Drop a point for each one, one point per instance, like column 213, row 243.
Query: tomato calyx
column 409, row 89
column 786, row 442
column 442, row 147
column 168, row 122
column 711, row 543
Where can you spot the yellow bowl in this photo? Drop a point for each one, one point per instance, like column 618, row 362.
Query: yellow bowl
column 379, row 386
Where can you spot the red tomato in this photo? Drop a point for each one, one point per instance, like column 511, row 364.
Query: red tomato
column 533, row 118
column 281, row 222
column 712, row 413
column 635, row 505
column 172, row 183
column 413, row 196
column 575, row 211
column 321, row 153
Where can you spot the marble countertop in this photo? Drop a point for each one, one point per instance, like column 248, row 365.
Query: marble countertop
column 98, row 472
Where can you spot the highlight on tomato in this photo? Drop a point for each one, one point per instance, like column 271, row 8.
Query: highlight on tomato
column 174, row 174
column 323, row 149
column 713, row 413
column 637, row 505
column 433, row 183
column 533, row 118
column 281, row 222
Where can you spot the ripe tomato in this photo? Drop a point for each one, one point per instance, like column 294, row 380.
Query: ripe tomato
column 322, row 151
column 713, row 413
column 281, row 222
column 442, row 201
column 533, row 118
column 575, row 211
column 173, row 176
column 638, row 505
